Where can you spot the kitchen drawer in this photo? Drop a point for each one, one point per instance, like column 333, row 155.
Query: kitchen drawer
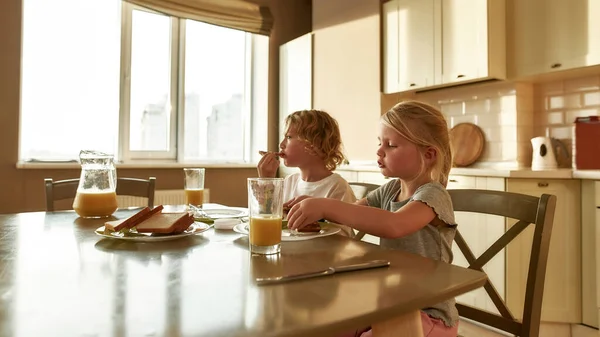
column 461, row 182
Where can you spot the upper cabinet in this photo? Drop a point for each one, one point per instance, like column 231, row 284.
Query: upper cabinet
column 473, row 40
column 552, row 35
column 408, row 48
column 430, row 43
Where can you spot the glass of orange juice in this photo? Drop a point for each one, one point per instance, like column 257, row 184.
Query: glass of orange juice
column 265, row 207
column 193, row 186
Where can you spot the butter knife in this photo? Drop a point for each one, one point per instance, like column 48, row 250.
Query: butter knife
column 323, row 272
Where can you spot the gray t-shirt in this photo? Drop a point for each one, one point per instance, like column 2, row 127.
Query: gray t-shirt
column 434, row 242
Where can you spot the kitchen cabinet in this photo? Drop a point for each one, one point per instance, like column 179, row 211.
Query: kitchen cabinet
column 589, row 306
column 473, row 40
column 295, row 76
column 295, row 83
column 597, row 255
column 562, row 291
column 480, row 231
column 408, row 50
column 552, row 35
column 429, row 43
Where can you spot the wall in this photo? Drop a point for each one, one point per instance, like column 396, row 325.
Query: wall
column 558, row 103
column 346, row 72
column 491, row 106
column 22, row 190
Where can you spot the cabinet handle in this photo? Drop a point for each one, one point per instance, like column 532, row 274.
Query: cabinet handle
column 453, row 180
column 556, row 65
column 413, row 84
column 544, row 184
column 460, row 76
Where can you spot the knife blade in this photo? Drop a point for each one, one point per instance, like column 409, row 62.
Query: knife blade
column 323, row 272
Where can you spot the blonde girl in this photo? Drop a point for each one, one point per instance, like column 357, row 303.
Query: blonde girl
column 413, row 212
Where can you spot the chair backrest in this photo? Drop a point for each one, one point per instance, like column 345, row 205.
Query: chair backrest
column 66, row 189
column 528, row 210
column 361, row 189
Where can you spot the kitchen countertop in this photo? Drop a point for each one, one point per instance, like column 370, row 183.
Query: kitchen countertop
column 525, row 173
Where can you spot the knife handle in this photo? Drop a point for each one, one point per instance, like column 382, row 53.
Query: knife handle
column 360, row 266
column 280, row 279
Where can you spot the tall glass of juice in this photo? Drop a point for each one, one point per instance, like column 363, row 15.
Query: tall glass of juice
column 265, row 207
column 193, row 186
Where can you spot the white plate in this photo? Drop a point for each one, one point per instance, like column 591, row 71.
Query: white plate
column 195, row 228
column 226, row 213
column 326, row 230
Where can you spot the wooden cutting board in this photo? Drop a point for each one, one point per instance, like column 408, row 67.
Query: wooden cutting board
column 467, row 141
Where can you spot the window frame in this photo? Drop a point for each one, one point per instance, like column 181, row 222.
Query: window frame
column 125, row 152
column 175, row 154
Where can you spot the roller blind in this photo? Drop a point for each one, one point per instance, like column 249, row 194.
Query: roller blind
column 236, row 14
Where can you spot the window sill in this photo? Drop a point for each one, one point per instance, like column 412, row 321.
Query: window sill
column 154, row 165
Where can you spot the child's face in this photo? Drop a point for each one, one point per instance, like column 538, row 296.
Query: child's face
column 396, row 156
column 293, row 149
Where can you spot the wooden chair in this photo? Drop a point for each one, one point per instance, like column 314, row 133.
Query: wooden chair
column 66, row 189
column 360, row 191
column 527, row 210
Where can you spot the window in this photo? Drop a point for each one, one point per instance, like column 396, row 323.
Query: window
column 110, row 76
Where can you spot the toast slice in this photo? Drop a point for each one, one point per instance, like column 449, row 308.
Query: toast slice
column 166, row 223
column 311, row 227
column 132, row 221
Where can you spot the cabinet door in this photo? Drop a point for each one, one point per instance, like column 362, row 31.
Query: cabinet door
column 408, row 38
column 562, row 290
column 464, row 40
column 597, row 255
column 589, row 308
column 389, row 17
column 480, row 232
column 552, row 35
column 416, row 44
column 295, row 76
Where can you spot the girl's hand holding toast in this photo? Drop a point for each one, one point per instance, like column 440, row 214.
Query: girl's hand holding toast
column 306, row 212
column 268, row 164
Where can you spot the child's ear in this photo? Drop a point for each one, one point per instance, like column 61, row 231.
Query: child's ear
column 430, row 154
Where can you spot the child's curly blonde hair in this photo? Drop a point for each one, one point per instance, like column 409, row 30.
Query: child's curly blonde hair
column 321, row 132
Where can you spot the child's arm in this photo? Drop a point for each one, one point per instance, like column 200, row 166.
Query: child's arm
column 362, row 202
column 407, row 220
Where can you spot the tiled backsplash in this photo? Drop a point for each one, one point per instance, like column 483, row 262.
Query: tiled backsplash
column 558, row 104
column 510, row 114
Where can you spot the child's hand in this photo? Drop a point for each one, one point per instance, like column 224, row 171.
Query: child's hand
column 268, row 164
column 305, row 212
column 290, row 203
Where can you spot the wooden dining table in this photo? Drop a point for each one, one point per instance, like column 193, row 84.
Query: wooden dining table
column 59, row 278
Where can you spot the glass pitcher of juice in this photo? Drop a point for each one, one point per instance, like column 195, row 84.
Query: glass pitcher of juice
column 96, row 194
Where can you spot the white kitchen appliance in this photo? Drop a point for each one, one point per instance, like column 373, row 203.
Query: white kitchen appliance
column 544, row 153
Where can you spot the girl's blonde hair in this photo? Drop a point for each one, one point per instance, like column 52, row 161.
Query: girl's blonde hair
column 424, row 126
column 321, row 132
